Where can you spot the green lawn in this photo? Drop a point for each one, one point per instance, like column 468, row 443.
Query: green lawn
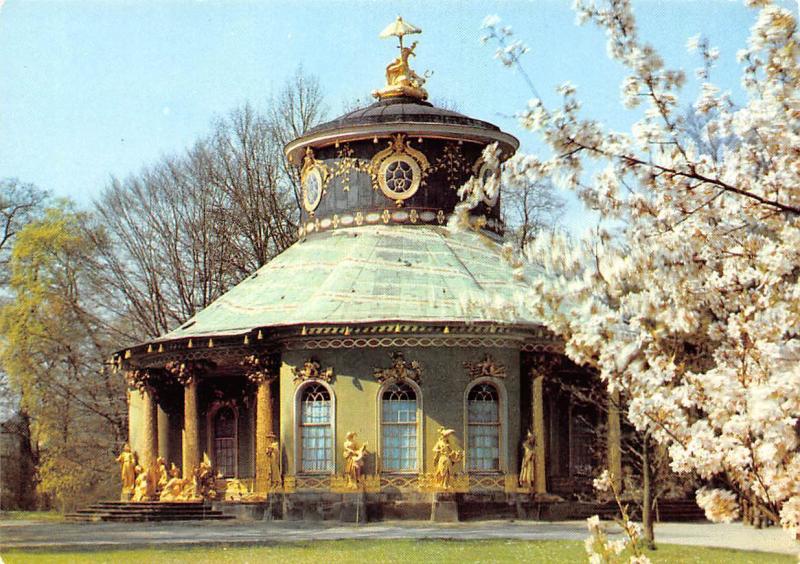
column 31, row 516
column 365, row 551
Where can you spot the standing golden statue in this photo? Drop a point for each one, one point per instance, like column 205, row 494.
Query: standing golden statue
column 445, row 458
column 354, row 460
column 127, row 461
column 527, row 470
column 401, row 80
column 273, row 462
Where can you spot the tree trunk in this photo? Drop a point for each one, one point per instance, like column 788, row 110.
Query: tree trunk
column 647, row 495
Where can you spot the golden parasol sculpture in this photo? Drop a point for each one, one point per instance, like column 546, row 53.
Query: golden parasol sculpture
column 401, row 80
column 399, row 28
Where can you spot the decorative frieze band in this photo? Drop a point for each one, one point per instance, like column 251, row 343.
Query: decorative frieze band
column 385, row 216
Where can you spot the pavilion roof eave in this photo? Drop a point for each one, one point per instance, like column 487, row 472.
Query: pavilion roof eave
column 508, row 143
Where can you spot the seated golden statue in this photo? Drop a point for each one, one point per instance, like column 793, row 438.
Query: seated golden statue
column 176, row 488
column 401, row 80
column 161, row 473
column 145, row 487
column 205, row 480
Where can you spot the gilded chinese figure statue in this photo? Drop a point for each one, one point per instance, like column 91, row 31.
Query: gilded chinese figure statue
column 273, row 461
column 175, row 487
column 401, row 80
column 127, row 461
column 161, row 472
column 445, row 458
column 527, row 469
column 204, row 479
column 145, row 487
column 354, row 459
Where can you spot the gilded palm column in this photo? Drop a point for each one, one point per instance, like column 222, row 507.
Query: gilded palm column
column 614, row 440
column 258, row 370
column 142, row 380
column 186, row 373
column 543, row 364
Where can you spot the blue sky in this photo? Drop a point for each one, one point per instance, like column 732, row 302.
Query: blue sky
column 90, row 89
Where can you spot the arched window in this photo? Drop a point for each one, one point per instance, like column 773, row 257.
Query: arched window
column 399, row 428
column 316, row 433
column 483, row 429
column 225, row 441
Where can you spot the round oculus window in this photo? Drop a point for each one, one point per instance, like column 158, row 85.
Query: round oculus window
column 399, row 177
column 312, row 189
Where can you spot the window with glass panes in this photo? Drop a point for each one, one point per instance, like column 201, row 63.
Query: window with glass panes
column 483, row 429
column 399, row 428
column 225, row 441
column 316, row 434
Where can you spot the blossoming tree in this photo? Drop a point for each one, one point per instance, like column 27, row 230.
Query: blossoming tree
column 687, row 298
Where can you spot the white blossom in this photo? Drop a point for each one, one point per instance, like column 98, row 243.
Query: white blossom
column 691, row 307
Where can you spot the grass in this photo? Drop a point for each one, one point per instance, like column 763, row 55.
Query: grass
column 31, row 516
column 438, row 551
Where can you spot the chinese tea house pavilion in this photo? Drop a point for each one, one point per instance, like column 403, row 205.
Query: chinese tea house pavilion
column 362, row 355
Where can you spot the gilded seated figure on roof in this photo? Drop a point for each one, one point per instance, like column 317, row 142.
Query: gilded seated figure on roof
column 401, row 80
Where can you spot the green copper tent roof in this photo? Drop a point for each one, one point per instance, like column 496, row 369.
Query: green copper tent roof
column 370, row 274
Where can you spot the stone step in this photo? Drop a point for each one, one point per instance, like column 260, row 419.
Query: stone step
column 96, row 517
column 146, row 511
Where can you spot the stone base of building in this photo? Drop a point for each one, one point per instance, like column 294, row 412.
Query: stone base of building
column 417, row 506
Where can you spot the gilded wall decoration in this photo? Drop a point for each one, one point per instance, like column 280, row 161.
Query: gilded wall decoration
column 346, row 164
column 483, row 171
column 314, row 177
column 399, row 170
column 312, row 370
column 399, row 370
column 453, row 164
column 485, row 368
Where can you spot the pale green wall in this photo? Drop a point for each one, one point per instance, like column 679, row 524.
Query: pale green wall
column 444, row 382
column 135, row 406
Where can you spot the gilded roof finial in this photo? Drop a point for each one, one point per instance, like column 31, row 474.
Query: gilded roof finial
column 401, row 80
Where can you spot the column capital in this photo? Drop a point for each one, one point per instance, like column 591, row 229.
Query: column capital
column 543, row 364
column 260, row 368
column 141, row 379
column 186, row 372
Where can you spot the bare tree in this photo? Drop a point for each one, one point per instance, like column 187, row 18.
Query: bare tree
column 530, row 207
column 298, row 107
column 19, row 203
column 188, row 228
